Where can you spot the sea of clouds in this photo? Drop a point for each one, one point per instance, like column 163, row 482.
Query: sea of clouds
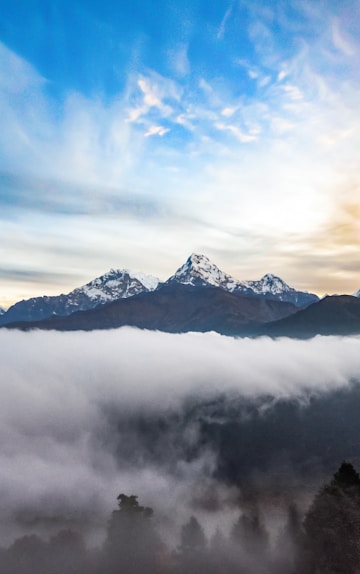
column 63, row 395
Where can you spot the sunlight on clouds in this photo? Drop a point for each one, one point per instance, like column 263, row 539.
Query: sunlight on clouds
column 329, row 254
column 342, row 229
column 154, row 90
column 228, row 112
column 156, row 131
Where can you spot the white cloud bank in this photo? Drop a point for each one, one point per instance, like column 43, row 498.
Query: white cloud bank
column 63, row 393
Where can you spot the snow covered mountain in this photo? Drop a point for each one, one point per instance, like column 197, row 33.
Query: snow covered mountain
column 197, row 271
column 357, row 294
column 272, row 286
column 200, row 271
column 116, row 284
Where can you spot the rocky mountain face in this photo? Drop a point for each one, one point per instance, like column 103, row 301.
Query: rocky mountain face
column 197, row 271
column 116, row 284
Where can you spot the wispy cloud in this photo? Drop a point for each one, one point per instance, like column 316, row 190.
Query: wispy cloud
column 156, row 92
column 241, row 136
column 222, row 26
column 179, row 60
column 156, row 131
column 340, row 41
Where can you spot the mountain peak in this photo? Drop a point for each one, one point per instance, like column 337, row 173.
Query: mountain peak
column 271, row 277
column 198, row 270
column 273, row 284
column 197, row 259
column 150, row 282
column 117, row 283
column 113, row 285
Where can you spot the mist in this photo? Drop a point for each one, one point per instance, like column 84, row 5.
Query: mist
column 85, row 416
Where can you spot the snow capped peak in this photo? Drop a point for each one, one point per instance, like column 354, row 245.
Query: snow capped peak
column 113, row 285
column 357, row 294
column 149, row 281
column 117, row 284
column 198, row 270
column 197, row 259
column 271, row 277
column 273, row 284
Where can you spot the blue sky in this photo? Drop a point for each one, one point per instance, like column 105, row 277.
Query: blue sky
column 134, row 133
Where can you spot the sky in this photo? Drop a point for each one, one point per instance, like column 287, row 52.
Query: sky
column 134, row 133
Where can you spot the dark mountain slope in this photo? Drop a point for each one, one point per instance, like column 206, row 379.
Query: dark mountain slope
column 174, row 308
column 335, row 315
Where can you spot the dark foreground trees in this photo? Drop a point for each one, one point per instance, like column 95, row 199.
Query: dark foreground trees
column 332, row 526
column 327, row 541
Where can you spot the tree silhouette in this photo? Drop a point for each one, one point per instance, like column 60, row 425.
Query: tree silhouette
column 250, row 534
column 132, row 544
column 332, row 525
column 192, row 550
column 289, row 543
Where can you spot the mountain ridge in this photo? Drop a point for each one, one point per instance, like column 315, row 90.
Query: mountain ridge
column 173, row 308
column 117, row 284
column 332, row 315
column 199, row 270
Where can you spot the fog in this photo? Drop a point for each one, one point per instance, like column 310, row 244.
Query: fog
column 72, row 405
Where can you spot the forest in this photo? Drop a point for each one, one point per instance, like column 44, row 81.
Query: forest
column 323, row 540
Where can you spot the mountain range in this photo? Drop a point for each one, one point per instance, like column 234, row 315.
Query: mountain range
column 198, row 297
column 114, row 285
column 197, row 271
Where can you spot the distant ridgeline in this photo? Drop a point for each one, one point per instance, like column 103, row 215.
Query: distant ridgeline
column 323, row 541
column 198, row 297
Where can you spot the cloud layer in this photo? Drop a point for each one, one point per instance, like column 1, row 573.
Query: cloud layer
column 68, row 440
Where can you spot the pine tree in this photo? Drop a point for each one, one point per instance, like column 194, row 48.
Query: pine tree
column 332, row 525
column 132, row 544
column 192, row 550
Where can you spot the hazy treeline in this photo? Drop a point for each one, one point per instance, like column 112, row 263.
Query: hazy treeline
column 323, row 541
